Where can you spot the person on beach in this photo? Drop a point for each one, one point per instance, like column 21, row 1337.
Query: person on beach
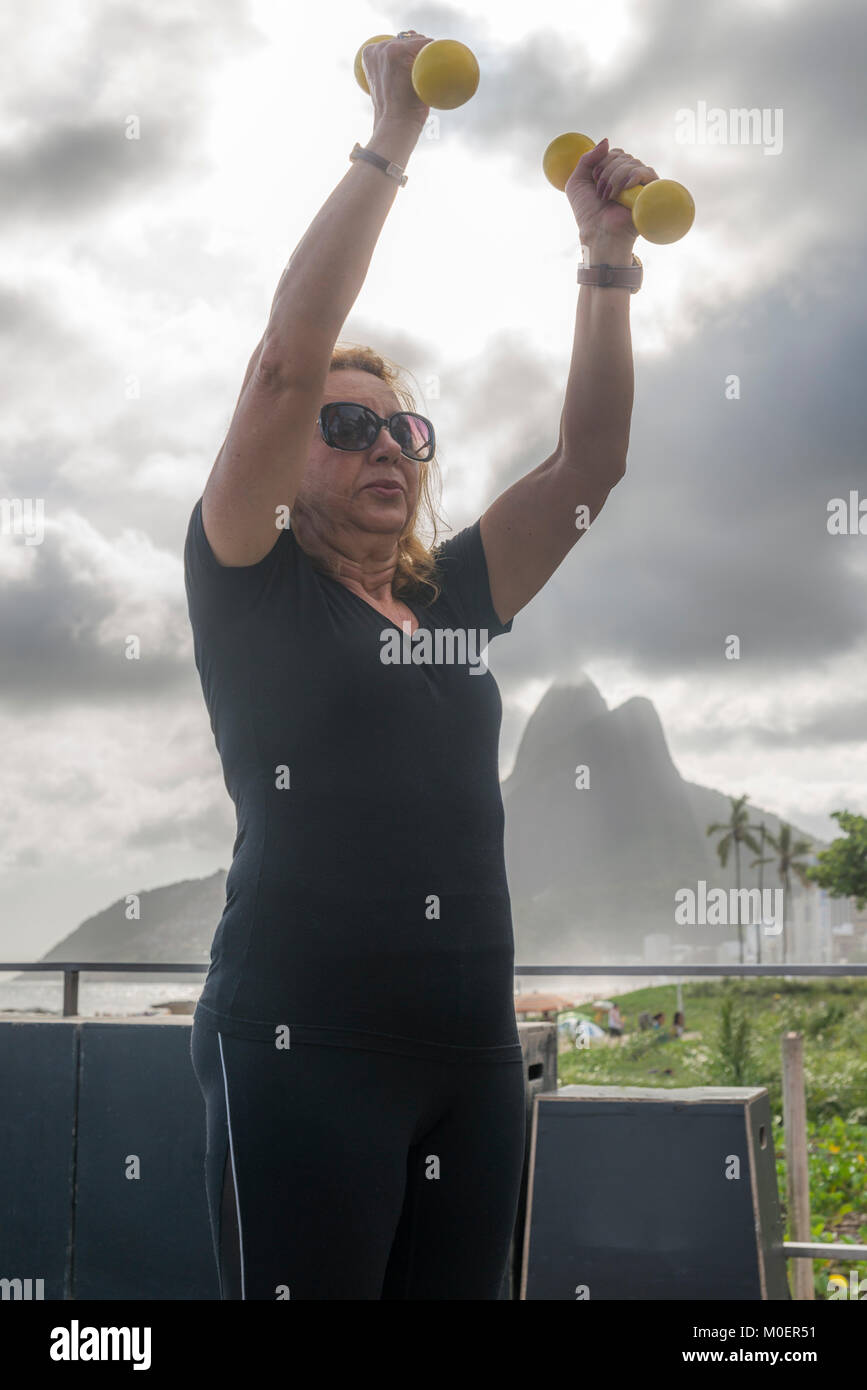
column 355, row 1040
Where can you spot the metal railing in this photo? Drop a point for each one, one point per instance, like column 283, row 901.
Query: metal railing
column 689, row 972
column 72, row 970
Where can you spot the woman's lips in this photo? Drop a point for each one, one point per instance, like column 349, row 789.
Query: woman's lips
column 384, row 489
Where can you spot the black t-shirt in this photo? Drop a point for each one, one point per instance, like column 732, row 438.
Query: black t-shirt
column 366, row 903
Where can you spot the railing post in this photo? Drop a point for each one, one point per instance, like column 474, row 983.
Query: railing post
column 70, row 993
column 797, row 1167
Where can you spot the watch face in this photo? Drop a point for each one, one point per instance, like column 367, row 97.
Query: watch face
column 606, row 274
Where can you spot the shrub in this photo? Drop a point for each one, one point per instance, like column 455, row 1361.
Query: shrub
column 734, row 1063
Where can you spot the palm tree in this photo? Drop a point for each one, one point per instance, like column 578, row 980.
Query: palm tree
column 735, row 831
column 789, row 862
column 760, row 863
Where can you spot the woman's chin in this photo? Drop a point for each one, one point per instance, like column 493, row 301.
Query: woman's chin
column 390, row 509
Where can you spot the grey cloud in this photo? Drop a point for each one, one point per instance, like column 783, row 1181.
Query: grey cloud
column 63, row 170
column 685, row 53
column 25, row 316
column 402, row 345
column 30, row 857
column 796, row 58
column 68, row 637
column 160, row 61
column 719, row 526
column 843, row 723
column 205, row 829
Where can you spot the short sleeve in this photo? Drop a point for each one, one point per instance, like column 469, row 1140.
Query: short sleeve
column 466, row 584
column 218, row 593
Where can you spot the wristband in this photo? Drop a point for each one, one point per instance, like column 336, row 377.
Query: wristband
column 627, row 277
column 394, row 171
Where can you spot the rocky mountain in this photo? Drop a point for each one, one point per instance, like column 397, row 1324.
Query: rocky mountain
column 594, row 867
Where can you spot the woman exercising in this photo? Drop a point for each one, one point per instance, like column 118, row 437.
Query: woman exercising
column 355, row 1040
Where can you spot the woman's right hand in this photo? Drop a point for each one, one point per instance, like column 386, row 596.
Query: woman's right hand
column 388, row 67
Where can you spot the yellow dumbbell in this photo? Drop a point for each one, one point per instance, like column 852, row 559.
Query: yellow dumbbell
column 360, row 75
column 662, row 211
column 445, row 73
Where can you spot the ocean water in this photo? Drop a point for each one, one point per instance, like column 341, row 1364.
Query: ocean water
column 110, row 998
column 116, row 998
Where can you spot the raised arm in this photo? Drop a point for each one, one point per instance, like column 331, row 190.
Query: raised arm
column 531, row 527
column 263, row 456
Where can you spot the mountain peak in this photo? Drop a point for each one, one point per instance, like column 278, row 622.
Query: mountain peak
column 564, row 708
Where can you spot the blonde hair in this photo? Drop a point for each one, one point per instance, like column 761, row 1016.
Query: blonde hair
column 416, row 572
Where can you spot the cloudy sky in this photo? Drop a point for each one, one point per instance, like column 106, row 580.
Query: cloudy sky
column 136, row 277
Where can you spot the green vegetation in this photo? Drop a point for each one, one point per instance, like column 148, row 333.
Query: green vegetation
column 736, row 831
column 732, row 1037
column 734, row 1058
column 789, row 851
column 838, row 1194
column 842, row 867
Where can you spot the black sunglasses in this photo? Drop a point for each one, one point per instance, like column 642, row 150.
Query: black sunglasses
column 347, row 425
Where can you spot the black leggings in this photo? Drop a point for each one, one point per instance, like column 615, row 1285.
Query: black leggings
column 336, row 1173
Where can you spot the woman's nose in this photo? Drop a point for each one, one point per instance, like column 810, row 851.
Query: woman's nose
column 386, row 439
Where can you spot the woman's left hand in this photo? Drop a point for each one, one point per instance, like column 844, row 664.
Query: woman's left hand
column 591, row 189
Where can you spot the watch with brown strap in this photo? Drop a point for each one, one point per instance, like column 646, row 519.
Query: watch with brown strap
column 617, row 277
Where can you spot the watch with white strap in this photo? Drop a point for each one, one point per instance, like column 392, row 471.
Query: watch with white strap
column 626, row 277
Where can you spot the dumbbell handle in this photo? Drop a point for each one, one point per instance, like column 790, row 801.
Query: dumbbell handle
column 627, row 197
column 662, row 210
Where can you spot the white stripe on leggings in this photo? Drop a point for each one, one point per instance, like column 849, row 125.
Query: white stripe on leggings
column 232, row 1156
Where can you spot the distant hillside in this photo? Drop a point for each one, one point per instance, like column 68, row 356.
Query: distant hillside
column 176, row 923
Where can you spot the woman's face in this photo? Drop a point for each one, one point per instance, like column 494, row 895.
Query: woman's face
column 336, row 492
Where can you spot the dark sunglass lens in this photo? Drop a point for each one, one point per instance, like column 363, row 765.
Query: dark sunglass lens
column 413, row 434
column 350, row 426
